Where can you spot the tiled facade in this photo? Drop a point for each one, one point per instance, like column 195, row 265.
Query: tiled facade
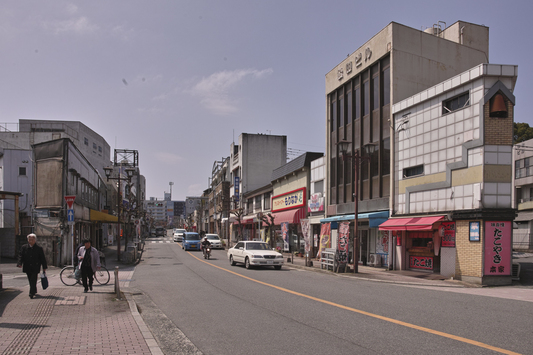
column 458, row 164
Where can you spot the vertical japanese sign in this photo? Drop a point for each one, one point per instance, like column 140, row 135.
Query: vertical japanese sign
column 305, row 231
column 447, row 232
column 285, row 235
column 342, row 251
column 498, row 253
column 325, row 238
column 236, row 188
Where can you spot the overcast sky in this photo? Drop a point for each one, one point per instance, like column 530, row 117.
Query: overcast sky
column 179, row 81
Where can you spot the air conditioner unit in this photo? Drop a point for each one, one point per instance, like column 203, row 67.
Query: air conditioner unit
column 375, row 260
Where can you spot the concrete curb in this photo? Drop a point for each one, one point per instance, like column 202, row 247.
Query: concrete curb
column 147, row 334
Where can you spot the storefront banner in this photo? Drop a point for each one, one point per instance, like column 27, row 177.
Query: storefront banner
column 325, row 238
column 382, row 242
column 305, row 223
column 285, row 235
column 263, row 235
column 447, row 233
column 498, row 253
column 342, row 248
column 290, row 200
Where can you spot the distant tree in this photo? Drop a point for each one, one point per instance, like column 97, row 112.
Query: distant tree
column 268, row 219
column 238, row 213
column 522, row 132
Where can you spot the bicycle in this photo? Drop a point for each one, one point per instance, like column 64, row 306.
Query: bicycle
column 68, row 276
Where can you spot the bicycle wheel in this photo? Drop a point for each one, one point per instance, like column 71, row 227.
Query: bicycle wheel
column 102, row 276
column 67, row 276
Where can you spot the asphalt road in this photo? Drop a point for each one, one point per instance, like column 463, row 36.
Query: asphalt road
column 209, row 307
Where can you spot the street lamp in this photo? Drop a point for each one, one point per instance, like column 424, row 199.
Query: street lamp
column 357, row 159
column 129, row 173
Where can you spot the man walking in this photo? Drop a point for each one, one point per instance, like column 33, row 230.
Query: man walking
column 90, row 262
column 31, row 258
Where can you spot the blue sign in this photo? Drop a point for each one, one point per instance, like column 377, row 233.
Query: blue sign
column 70, row 216
column 236, row 187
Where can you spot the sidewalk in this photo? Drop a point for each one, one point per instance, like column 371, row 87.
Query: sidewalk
column 380, row 274
column 64, row 320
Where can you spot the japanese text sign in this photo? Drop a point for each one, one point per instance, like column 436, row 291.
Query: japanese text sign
column 289, row 200
column 498, row 252
column 448, row 234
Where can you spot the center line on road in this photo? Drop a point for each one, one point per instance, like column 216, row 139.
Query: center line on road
column 373, row 315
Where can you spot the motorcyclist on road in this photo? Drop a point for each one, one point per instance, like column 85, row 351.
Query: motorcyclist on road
column 205, row 244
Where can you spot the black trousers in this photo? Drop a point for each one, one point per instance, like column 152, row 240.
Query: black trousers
column 32, row 278
column 87, row 276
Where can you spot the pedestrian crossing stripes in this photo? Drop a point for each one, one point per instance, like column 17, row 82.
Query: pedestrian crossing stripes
column 161, row 241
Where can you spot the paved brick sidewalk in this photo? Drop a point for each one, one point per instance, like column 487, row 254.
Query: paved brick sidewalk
column 64, row 320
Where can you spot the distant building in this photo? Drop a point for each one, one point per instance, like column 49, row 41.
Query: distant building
column 251, row 164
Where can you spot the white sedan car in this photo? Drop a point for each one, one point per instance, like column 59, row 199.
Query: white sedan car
column 215, row 241
column 251, row 253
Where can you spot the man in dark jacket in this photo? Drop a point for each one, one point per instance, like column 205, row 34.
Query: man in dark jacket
column 31, row 258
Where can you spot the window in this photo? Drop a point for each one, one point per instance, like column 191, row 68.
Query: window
column 385, row 163
column 94, row 146
column 341, row 108
column 257, row 204
column 357, row 108
column 333, row 113
column 85, row 141
column 319, row 186
column 22, row 171
column 413, row 171
column 100, row 149
column 375, row 92
column 386, row 86
column 266, row 201
column 349, row 100
column 250, row 205
column 456, row 103
column 366, row 98
column 374, row 161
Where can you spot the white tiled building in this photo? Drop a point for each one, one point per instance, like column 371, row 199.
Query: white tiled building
column 453, row 165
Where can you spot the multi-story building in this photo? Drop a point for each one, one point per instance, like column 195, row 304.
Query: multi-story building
column 27, row 132
column 219, row 202
column 396, row 63
column 252, row 162
column 523, row 197
column 452, row 212
column 157, row 209
column 291, row 185
column 16, row 197
column 62, row 170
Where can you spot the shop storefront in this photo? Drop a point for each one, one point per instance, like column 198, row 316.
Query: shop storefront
column 418, row 241
column 288, row 209
column 373, row 245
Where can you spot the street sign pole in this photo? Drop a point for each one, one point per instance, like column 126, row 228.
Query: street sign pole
column 70, row 221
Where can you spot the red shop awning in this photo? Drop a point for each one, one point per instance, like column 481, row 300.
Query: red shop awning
column 410, row 224
column 291, row 216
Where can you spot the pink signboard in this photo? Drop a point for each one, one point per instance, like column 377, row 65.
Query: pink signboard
column 498, row 252
column 421, row 262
